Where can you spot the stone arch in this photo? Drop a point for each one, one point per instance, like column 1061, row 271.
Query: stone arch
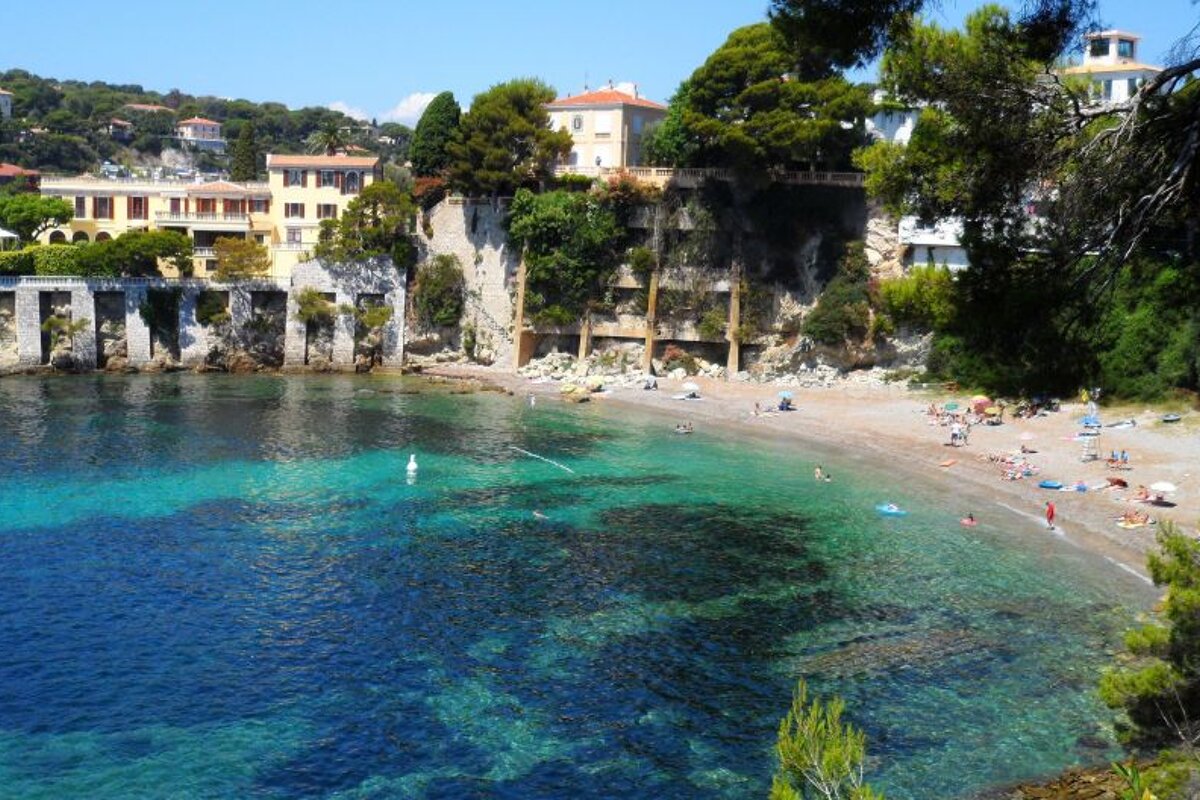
column 103, row 236
column 79, row 236
column 58, row 237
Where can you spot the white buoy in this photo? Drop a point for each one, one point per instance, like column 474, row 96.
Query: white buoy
column 412, row 464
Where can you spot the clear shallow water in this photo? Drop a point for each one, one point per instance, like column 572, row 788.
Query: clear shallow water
column 225, row 587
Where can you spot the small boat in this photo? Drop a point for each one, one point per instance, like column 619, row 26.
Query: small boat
column 1050, row 484
column 1171, row 418
column 891, row 510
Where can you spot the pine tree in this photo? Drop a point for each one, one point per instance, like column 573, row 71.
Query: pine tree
column 435, row 129
column 245, row 155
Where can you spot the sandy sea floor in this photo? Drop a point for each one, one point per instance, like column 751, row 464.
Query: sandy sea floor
column 891, row 425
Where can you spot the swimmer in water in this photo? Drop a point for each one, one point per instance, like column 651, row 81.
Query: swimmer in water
column 539, row 515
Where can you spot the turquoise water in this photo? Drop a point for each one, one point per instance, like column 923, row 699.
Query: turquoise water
column 226, row 587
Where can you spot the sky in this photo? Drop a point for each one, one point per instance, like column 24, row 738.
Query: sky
column 386, row 59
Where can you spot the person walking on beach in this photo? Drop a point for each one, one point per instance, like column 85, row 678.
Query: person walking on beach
column 1050, row 514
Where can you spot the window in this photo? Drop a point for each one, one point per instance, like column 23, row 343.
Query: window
column 206, row 205
column 603, row 123
column 351, row 184
column 260, row 205
column 1098, row 48
column 260, row 238
column 293, row 236
column 1106, row 91
column 1133, row 86
column 102, row 208
column 326, row 178
column 577, row 123
column 137, row 208
column 175, row 206
column 80, row 208
column 293, row 210
column 327, row 211
column 293, row 177
column 1125, row 48
column 210, row 265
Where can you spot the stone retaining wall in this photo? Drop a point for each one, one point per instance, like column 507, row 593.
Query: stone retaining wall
column 21, row 317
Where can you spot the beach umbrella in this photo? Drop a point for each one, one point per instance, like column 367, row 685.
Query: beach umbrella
column 1162, row 487
column 979, row 402
column 1090, row 421
column 691, row 386
column 785, row 395
column 951, row 406
column 1027, row 437
column 991, row 411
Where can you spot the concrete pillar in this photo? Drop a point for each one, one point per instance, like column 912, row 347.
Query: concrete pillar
column 83, row 343
column 343, row 330
column 585, row 342
column 393, row 332
column 735, row 320
column 651, row 314
column 295, row 333
column 193, row 338
column 137, row 332
column 29, row 325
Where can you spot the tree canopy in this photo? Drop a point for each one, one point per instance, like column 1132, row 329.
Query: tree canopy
column 434, row 132
column 505, row 142
column 136, row 254
column 238, row 257
column 750, row 107
column 376, row 224
column 245, row 155
column 28, row 215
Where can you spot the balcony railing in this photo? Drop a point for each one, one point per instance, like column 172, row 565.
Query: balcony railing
column 204, row 252
column 692, row 176
column 290, row 246
column 196, row 216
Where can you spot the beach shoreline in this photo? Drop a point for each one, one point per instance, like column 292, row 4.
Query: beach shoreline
column 889, row 424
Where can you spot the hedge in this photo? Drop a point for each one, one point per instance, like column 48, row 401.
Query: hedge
column 16, row 262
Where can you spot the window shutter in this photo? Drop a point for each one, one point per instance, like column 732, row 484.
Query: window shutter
column 128, row 208
column 338, row 179
column 303, row 178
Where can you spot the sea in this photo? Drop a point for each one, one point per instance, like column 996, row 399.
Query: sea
column 232, row 587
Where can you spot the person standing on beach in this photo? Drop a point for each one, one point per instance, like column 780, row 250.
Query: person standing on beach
column 817, row 474
column 1050, row 514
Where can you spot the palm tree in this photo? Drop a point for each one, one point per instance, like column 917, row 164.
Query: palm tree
column 328, row 139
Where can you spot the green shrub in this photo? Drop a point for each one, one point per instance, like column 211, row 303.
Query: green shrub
column 573, row 183
column 712, row 323
column 843, row 311
column 438, row 295
column 642, row 263
column 924, row 298
column 17, row 262
column 312, row 307
column 675, row 357
column 210, row 308
column 57, row 260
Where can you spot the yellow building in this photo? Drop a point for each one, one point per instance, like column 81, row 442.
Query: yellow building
column 306, row 189
column 283, row 213
column 606, row 126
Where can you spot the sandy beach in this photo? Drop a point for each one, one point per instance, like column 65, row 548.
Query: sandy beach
column 892, row 422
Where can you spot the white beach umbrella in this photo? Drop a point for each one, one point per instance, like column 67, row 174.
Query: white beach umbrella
column 1163, row 487
column 691, row 386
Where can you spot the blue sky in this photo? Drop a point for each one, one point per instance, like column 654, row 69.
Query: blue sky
column 385, row 59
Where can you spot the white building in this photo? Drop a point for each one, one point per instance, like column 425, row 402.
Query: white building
column 5, row 104
column 892, row 123
column 201, row 133
column 1110, row 61
column 936, row 244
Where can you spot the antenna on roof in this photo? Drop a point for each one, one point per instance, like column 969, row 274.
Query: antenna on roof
column 585, row 80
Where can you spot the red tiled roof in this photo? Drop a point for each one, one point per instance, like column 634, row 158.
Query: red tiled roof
column 13, row 171
column 605, row 97
column 122, row 122
column 361, row 162
column 4, row 92
column 199, row 121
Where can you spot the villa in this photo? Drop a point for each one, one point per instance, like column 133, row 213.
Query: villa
column 201, row 133
column 5, row 104
column 606, row 127
column 282, row 213
column 1110, row 63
